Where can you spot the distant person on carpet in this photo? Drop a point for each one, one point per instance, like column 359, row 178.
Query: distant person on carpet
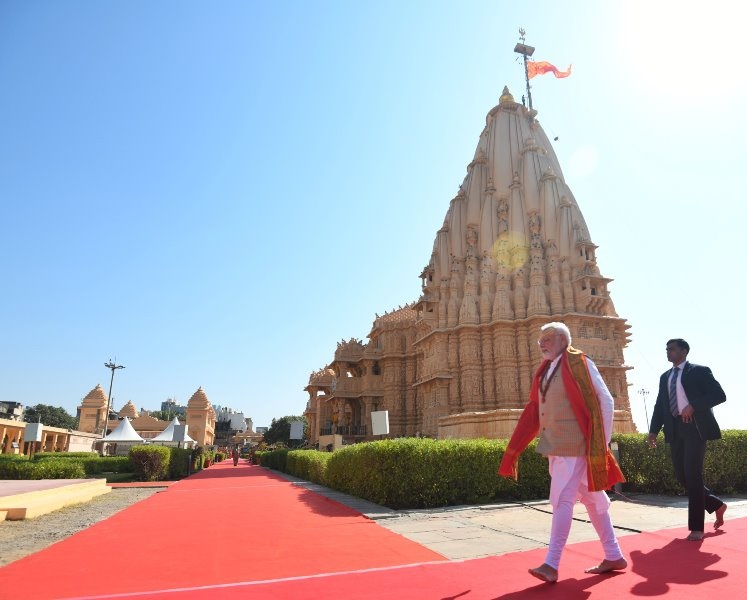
column 684, row 407
column 568, row 398
column 235, row 456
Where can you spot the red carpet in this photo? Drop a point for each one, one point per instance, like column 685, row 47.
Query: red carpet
column 659, row 565
column 224, row 524
column 257, row 536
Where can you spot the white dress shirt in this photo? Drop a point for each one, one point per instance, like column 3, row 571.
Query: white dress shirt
column 682, row 401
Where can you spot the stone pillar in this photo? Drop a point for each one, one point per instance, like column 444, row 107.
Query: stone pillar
column 506, row 367
column 524, row 352
column 471, row 370
column 411, row 411
column 391, row 393
column 488, row 400
column 486, row 300
column 452, row 313
column 520, row 298
column 367, row 409
column 569, row 302
column 455, row 401
column 502, row 301
column 443, row 301
column 553, row 274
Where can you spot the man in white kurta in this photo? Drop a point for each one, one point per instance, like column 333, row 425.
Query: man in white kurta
column 563, row 442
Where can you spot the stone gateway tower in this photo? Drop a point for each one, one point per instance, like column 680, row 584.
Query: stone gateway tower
column 514, row 253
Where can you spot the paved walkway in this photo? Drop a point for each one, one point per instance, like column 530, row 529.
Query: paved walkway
column 464, row 532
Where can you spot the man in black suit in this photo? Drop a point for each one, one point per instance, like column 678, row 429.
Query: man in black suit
column 684, row 407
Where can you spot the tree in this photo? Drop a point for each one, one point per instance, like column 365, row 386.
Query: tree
column 279, row 430
column 53, row 416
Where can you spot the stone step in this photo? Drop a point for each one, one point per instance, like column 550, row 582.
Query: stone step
column 42, row 499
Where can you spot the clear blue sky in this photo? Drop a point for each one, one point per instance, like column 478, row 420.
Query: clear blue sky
column 214, row 194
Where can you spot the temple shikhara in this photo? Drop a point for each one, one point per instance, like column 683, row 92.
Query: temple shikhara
column 514, row 253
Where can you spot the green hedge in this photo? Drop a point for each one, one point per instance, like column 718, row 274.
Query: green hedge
column 47, row 455
column 422, row 473
column 75, row 465
column 46, row 469
column 274, row 459
column 106, row 464
column 92, row 463
column 179, row 463
column 416, row 473
column 308, row 464
column 150, row 463
column 13, row 457
column 650, row 471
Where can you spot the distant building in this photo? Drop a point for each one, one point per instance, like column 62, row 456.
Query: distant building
column 54, row 439
column 12, row 411
column 236, row 420
column 232, row 427
column 170, row 406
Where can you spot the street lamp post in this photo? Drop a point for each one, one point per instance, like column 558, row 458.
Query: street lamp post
column 643, row 393
column 113, row 366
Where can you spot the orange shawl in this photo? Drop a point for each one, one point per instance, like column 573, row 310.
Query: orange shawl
column 602, row 469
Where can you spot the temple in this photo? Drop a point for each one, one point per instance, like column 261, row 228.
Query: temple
column 200, row 417
column 514, row 253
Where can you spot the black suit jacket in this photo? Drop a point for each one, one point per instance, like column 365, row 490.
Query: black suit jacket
column 703, row 393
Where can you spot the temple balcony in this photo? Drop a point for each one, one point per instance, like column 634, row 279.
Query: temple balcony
column 352, row 387
column 592, row 302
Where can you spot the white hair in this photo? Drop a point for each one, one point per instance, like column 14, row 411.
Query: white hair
column 560, row 328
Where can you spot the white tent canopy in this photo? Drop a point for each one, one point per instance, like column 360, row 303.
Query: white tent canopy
column 167, row 435
column 124, row 432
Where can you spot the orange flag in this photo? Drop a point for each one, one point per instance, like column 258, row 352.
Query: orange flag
column 540, row 68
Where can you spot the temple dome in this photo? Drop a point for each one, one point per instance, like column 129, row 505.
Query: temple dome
column 128, row 410
column 199, row 400
column 506, row 98
column 96, row 398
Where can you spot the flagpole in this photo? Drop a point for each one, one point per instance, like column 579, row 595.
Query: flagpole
column 526, row 51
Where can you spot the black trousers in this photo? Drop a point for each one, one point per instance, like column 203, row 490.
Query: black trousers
column 688, row 454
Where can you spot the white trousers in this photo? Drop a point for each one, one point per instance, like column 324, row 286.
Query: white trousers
column 569, row 484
